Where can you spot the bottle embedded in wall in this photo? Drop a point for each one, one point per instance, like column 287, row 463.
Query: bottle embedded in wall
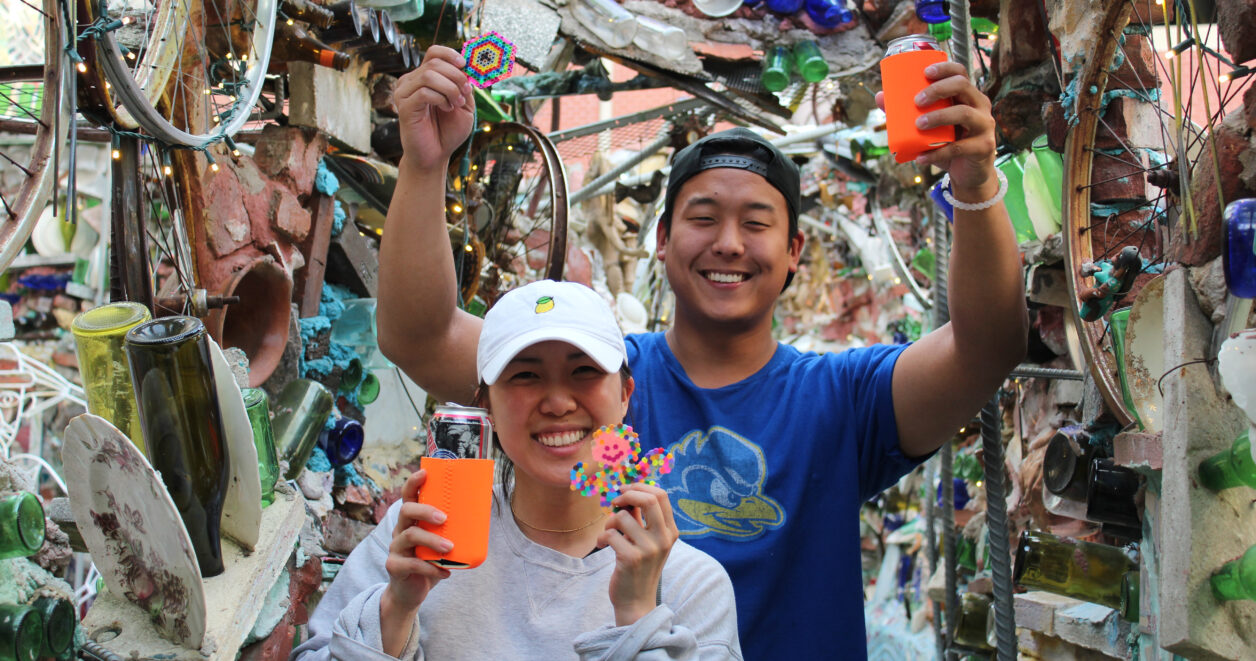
column 22, row 525
column 177, row 396
column 1082, row 570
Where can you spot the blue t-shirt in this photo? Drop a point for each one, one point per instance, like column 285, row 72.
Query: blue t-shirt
column 769, row 477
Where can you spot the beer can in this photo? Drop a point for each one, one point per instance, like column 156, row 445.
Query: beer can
column 459, row 432
column 911, row 42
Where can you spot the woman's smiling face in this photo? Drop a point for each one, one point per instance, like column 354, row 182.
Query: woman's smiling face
column 546, row 404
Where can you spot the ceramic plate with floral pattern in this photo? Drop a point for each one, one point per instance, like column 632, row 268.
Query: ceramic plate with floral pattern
column 242, row 506
column 132, row 529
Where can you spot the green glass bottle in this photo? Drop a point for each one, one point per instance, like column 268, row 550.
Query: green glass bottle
column 368, row 391
column 60, row 622
column 1130, row 591
column 301, row 412
column 257, row 406
column 810, row 61
column 1232, row 467
column 21, row 633
column 1236, row 579
column 775, row 76
column 99, row 337
column 21, row 525
column 178, row 403
column 970, row 626
column 1082, row 570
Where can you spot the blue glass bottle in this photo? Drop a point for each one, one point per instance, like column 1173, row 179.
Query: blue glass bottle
column 342, row 442
column 1240, row 247
column 933, row 11
column 784, row 6
column 829, row 13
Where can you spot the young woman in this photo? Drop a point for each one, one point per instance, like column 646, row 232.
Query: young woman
column 563, row 578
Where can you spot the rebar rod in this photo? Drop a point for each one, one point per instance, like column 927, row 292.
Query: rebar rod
column 996, row 526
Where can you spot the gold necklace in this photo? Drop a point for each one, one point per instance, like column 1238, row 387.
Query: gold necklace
column 514, row 513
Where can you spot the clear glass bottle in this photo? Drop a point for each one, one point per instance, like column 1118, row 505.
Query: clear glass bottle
column 613, row 24
column 60, row 622
column 256, row 404
column 21, row 525
column 178, row 404
column 304, row 10
column 1236, row 579
column 21, row 633
column 657, row 37
column 1232, row 467
column 810, row 61
column 301, row 412
column 99, row 338
column 775, row 75
column 1082, row 570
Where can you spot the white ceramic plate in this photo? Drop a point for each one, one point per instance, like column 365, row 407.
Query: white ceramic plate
column 132, row 528
column 242, row 507
column 1237, row 365
column 1144, row 354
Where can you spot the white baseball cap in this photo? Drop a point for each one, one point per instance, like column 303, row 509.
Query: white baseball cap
column 543, row 311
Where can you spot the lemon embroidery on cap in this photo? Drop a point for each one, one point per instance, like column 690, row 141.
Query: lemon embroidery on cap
column 544, row 304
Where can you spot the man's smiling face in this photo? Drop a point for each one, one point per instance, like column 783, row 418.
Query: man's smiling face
column 728, row 251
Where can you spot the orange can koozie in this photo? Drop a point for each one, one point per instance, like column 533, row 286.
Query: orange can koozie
column 463, row 490
column 902, row 78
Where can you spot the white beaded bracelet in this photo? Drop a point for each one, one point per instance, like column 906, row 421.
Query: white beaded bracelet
column 966, row 206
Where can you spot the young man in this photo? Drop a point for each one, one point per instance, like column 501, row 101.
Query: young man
column 775, row 450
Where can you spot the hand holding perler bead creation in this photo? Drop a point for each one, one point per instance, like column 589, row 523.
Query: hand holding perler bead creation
column 490, row 58
column 618, row 462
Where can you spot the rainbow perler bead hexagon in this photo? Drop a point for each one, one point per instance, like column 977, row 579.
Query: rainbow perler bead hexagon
column 490, row 57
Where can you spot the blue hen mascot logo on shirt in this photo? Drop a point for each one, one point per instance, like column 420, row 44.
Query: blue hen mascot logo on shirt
column 717, row 486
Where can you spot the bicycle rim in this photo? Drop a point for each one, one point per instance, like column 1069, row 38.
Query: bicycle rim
column 36, row 122
column 171, row 82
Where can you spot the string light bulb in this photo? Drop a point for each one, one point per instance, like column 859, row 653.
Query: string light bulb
column 469, row 248
column 919, row 179
column 1237, row 72
column 231, row 145
column 486, row 127
column 456, row 208
column 212, row 164
column 1179, row 49
column 166, row 169
column 82, row 67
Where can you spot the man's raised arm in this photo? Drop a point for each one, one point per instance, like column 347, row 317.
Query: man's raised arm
column 420, row 326
column 941, row 381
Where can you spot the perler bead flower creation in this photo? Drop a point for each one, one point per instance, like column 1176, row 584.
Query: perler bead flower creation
column 619, row 462
column 490, row 57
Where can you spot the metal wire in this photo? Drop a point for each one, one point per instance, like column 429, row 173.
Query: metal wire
column 996, row 526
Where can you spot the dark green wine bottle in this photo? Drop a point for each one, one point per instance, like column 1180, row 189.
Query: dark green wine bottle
column 178, row 402
column 21, row 633
column 21, row 525
column 256, row 405
column 301, row 412
column 1082, row 570
column 59, row 624
column 970, row 627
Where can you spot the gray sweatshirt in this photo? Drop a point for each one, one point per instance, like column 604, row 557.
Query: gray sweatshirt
column 527, row 601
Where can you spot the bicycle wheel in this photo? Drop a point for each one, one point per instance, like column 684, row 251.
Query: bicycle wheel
column 187, row 72
column 33, row 117
column 514, row 198
column 1128, row 191
column 151, row 259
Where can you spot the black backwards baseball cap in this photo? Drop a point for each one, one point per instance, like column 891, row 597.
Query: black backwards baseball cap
column 742, row 149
